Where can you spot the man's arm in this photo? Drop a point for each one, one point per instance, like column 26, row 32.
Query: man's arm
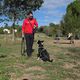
column 35, row 26
column 36, row 23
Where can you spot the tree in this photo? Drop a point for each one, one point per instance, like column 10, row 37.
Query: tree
column 51, row 30
column 70, row 22
column 51, row 24
column 17, row 9
column 41, row 29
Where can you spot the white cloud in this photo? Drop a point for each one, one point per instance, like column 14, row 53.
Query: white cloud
column 52, row 10
column 53, row 4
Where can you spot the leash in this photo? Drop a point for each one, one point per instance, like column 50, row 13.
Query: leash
column 23, row 46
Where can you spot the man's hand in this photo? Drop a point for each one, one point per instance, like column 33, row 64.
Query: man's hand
column 34, row 30
column 22, row 35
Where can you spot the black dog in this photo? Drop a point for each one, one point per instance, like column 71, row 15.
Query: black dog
column 42, row 53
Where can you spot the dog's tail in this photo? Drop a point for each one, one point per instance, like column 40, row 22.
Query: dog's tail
column 51, row 60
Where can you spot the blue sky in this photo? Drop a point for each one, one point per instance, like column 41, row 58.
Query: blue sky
column 51, row 11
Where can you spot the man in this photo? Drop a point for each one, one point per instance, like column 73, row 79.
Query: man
column 28, row 28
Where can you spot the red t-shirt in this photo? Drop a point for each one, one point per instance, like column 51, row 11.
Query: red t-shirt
column 26, row 27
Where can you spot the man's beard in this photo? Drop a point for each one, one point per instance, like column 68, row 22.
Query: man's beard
column 31, row 18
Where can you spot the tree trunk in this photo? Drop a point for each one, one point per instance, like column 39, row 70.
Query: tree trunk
column 13, row 35
column 13, row 31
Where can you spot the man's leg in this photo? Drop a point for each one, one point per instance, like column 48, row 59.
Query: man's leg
column 28, row 44
column 31, row 43
column 33, row 36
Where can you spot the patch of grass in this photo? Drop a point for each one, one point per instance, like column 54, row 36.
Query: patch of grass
column 75, row 53
column 15, row 66
column 74, row 50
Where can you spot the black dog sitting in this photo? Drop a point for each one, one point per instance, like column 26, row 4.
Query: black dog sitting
column 42, row 53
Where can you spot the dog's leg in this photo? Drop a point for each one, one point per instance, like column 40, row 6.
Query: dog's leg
column 38, row 58
column 50, row 60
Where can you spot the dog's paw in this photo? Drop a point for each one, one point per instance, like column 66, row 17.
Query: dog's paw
column 38, row 58
column 51, row 60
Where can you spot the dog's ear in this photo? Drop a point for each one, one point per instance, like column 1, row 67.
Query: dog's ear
column 38, row 42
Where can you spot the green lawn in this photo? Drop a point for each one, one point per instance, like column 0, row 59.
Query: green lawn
column 13, row 66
